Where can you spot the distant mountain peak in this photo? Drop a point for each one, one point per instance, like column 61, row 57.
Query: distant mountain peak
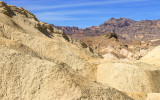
column 120, row 22
column 119, row 19
column 114, row 20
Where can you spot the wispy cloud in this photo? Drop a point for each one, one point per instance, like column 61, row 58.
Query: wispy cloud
column 67, row 18
column 24, row 2
column 61, row 18
column 50, row 17
column 64, row 17
column 36, row 7
column 78, row 12
column 68, row 14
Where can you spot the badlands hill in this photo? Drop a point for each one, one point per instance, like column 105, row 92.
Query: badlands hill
column 40, row 62
column 110, row 43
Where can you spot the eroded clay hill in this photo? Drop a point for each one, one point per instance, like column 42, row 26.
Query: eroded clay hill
column 39, row 62
column 110, row 43
column 139, row 79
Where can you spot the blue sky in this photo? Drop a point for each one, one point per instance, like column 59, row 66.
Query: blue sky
column 86, row 13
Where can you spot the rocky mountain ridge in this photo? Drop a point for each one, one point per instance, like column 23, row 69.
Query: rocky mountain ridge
column 126, row 28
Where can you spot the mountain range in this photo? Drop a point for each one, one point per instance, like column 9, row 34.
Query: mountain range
column 125, row 28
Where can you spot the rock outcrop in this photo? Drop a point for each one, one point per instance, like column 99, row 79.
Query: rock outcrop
column 111, row 35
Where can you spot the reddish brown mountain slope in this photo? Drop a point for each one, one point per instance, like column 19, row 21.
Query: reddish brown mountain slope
column 125, row 28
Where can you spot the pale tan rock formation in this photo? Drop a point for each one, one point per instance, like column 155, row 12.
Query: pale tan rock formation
column 130, row 77
column 30, row 78
column 139, row 79
column 43, row 40
column 153, row 96
column 152, row 57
